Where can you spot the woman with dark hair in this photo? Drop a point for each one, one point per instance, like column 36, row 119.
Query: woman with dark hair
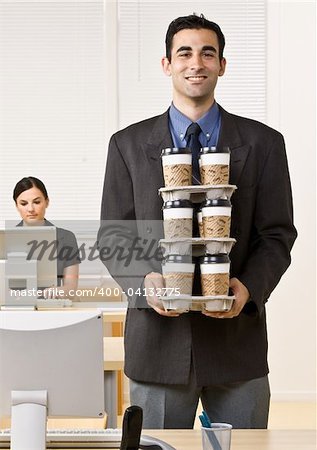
column 31, row 200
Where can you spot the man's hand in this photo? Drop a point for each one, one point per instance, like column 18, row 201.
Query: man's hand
column 153, row 283
column 241, row 294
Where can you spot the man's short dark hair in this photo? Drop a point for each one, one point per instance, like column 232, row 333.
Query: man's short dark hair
column 192, row 22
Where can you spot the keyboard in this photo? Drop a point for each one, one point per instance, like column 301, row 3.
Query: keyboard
column 40, row 303
column 101, row 436
column 74, row 438
column 53, row 303
column 88, row 438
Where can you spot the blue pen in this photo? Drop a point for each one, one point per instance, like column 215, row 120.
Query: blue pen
column 205, row 421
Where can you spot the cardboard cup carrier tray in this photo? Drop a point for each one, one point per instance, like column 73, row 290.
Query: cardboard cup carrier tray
column 184, row 303
column 197, row 193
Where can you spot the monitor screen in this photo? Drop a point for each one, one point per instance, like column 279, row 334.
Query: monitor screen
column 57, row 352
column 28, row 262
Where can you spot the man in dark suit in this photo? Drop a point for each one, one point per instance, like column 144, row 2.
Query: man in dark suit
column 172, row 359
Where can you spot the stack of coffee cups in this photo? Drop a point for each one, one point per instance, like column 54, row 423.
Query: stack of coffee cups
column 178, row 270
column 214, row 218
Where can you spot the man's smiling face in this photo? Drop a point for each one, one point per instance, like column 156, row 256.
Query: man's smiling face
column 194, row 66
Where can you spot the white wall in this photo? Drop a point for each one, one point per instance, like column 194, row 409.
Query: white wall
column 291, row 109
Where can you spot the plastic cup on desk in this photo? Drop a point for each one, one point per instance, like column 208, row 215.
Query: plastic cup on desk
column 217, row 437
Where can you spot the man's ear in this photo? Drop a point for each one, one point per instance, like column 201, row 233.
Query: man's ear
column 222, row 69
column 166, row 65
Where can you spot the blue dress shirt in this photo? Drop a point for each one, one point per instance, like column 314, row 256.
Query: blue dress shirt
column 209, row 123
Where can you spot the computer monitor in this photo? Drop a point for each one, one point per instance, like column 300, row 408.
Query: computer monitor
column 28, row 263
column 51, row 363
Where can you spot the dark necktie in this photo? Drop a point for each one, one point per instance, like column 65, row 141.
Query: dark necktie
column 193, row 143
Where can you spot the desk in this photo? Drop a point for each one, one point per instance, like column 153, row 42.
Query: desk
column 113, row 353
column 113, row 361
column 114, row 316
column 113, row 313
column 242, row 439
column 117, row 309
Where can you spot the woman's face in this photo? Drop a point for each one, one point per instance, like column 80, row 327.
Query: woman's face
column 31, row 206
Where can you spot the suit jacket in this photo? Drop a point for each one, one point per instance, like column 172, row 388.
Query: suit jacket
column 160, row 349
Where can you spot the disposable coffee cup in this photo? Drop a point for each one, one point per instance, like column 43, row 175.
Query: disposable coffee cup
column 200, row 223
column 178, row 273
column 214, row 165
column 177, row 166
column 216, row 216
column 214, row 270
column 217, row 437
column 178, row 219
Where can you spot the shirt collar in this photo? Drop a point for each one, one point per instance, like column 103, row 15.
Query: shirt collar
column 45, row 223
column 179, row 122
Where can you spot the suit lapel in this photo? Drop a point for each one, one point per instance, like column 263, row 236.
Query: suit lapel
column 230, row 137
column 159, row 138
